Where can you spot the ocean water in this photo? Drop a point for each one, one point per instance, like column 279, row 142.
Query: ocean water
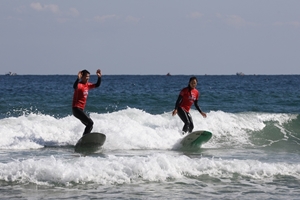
column 253, row 154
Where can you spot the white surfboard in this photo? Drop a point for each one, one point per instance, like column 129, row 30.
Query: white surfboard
column 196, row 139
column 90, row 142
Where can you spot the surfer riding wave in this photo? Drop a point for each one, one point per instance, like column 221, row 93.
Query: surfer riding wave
column 187, row 97
column 81, row 87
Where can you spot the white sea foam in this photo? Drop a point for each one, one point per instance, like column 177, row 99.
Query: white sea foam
column 132, row 129
column 156, row 167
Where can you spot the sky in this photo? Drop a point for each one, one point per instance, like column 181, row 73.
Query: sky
column 150, row 37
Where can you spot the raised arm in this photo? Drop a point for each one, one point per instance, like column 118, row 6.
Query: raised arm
column 98, row 72
column 77, row 80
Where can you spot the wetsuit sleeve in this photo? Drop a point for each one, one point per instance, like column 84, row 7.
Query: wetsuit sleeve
column 179, row 99
column 75, row 84
column 197, row 106
column 98, row 82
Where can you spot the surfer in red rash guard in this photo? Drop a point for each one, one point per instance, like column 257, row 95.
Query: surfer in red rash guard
column 186, row 98
column 81, row 87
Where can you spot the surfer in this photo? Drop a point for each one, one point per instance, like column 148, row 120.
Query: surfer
column 185, row 100
column 81, row 87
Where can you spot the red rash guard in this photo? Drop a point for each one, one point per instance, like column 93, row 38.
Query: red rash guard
column 81, row 94
column 188, row 98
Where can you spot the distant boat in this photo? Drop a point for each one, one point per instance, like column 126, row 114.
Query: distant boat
column 11, row 74
column 168, row 74
column 240, row 74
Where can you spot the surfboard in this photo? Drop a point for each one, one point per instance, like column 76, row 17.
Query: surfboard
column 196, row 139
column 90, row 142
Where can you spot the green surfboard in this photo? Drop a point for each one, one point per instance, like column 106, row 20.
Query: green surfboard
column 196, row 139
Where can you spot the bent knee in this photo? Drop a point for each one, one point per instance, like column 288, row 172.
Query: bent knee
column 91, row 123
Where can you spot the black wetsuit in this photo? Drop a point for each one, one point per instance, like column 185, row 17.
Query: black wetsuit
column 186, row 116
column 79, row 114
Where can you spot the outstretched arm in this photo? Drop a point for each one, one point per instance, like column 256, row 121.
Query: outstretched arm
column 179, row 99
column 199, row 109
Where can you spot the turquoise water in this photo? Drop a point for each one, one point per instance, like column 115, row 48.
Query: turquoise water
column 254, row 151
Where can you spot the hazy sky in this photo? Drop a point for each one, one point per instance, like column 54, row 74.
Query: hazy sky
column 197, row 37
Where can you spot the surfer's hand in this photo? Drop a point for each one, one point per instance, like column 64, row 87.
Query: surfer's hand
column 174, row 112
column 203, row 114
column 79, row 74
column 98, row 72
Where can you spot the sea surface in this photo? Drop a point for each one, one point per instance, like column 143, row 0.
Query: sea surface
column 254, row 152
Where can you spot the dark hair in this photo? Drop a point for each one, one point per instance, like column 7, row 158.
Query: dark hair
column 193, row 78
column 85, row 72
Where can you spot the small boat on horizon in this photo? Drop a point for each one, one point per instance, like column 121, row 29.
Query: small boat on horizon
column 240, row 74
column 11, row 74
